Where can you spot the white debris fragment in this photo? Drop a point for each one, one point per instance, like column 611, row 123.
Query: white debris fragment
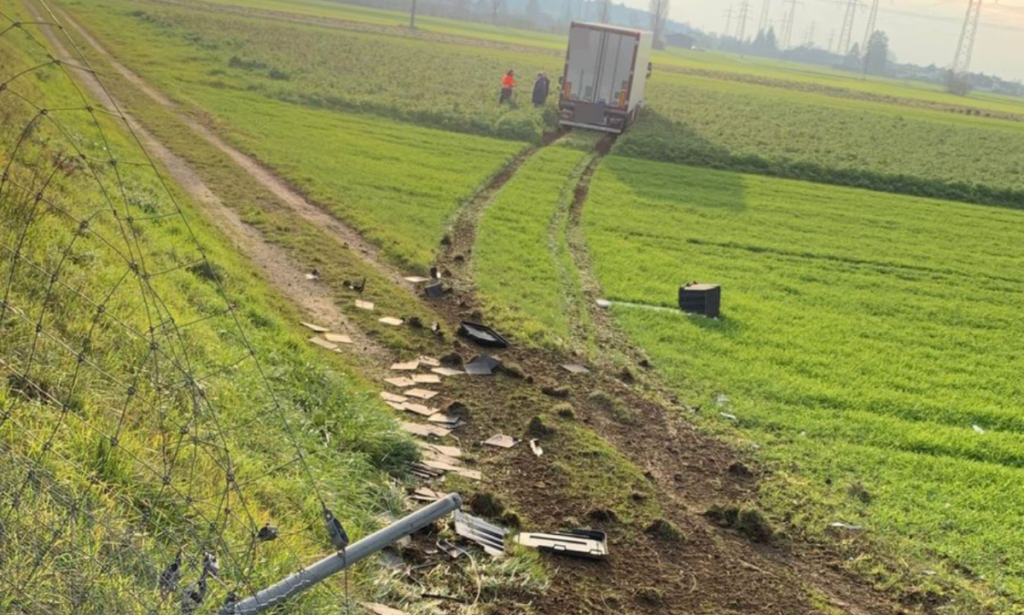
column 979, row 429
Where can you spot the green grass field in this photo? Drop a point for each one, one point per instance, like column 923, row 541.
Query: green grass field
column 830, row 139
column 141, row 487
column 864, row 337
column 521, row 262
column 870, row 344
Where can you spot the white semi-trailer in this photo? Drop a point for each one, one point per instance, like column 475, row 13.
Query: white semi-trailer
column 606, row 70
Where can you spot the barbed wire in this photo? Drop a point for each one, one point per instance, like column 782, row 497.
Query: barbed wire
column 121, row 484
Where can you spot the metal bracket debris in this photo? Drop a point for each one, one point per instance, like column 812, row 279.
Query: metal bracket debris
column 489, row 536
column 588, row 544
column 482, row 335
column 482, row 365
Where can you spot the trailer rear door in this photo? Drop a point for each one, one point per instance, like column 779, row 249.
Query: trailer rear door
column 600, row 66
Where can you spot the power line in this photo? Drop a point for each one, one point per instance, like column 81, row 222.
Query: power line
column 872, row 24
column 790, row 20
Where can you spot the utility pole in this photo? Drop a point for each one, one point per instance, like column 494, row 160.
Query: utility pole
column 787, row 30
column 872, row 23
column 766, row 7
column 741, row 29
column 728, row 21
column 809, row 36
column 412, row 16
column 965, row 48
column 846, row 34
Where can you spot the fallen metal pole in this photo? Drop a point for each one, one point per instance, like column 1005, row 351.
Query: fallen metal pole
column 308, row 577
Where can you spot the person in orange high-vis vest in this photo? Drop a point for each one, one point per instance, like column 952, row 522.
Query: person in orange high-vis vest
column 508, row 84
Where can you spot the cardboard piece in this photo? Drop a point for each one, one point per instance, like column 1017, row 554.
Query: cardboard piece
column 501, row 441
column 425, row 494
column 338, row 338
column 395, row 405
column 447, row 371
column 401, row 383
column 448, row 451
column 430, row 361
column 319, row 341
column 420, row 409
column 446, row 419
column 394, row 322
column 364, row 305
column 315, row 328
column 427, row 379
column 421, row 394
column 415, row 279
column 418, row 429
column 398, row 399
column 411, row 366
column 576, row 369
column 380, row 609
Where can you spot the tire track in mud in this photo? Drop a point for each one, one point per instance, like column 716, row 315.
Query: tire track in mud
column 280, row 270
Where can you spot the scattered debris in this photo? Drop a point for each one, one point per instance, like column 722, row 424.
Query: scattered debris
column 364, row 305
column 482, row 335
column 418, row 429
column 445, row 419
column 731, row 417
column 447, row 371
column 401, row 383
column 703, row 299
column 589, row 544
column 490, row 537
column 411, row 366
column 338, row 338
column 393, row 322
column 979, row 429
column 421, row 394
column 429, row 361
column 396, row 405
column 267, row 533
column 454, row 469
column 313, row 276
column 846, row 527
column 319, row 341
column 482, row 365
column 315, row 328
column 448, row 451
column 501, row 441
column 420, row 409
column 604, row 304
column 424, row 494
column 434, row 291
column 722, row 401
column 434, row 456
column 537, row 450
column 576, row 369
column 357, row 287
column 427, row 379
column 398, row 399
column 415, row 279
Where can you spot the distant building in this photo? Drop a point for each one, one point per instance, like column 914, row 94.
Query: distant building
column 678, row 39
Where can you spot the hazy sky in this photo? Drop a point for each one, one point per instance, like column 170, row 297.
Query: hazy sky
column 921, row 31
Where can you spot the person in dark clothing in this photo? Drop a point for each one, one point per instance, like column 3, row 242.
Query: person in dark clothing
column 540, row 90
column 508, row 84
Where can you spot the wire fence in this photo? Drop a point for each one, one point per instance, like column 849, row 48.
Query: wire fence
column 147, row 463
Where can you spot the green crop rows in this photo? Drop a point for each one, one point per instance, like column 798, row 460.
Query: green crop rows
column 522, row 262
column 865, row 337
column 829, row 139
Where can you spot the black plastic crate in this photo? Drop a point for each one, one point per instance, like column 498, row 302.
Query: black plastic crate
column 703, row 299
